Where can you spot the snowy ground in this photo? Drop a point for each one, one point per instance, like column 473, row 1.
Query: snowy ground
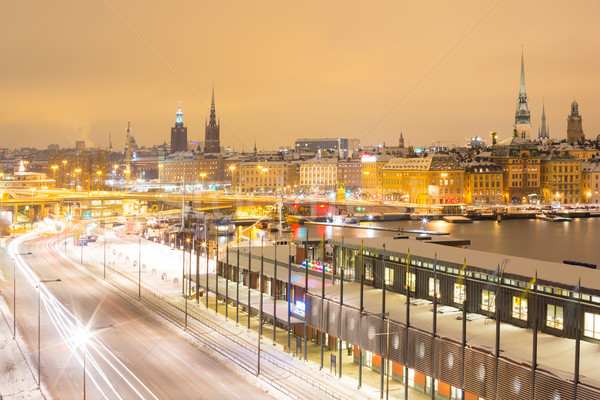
column 16, row 375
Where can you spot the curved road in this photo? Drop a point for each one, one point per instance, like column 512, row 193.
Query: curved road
column 131, row 352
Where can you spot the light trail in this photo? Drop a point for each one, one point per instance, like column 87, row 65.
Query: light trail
column 70, row 328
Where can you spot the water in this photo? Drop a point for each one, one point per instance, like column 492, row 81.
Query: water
column 536, row 239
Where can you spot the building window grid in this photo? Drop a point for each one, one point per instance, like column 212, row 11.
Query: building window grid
column 488, row 300
column 459, row 293
column 519, row 309
column 554, row 316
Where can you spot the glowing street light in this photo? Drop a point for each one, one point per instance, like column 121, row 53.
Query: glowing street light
column 77, row 171
column 203, row 175
column 81, row 339
column 54, row 167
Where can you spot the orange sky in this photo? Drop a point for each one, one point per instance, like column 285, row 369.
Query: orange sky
column 76, row 70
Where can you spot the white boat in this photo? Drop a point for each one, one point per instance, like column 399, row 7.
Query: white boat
column 272, row 227
column 553, row 218
column 350, row 220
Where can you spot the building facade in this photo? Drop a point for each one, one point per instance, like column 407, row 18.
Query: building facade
column 349, row 174
column 520, row 162
column 590, row 181
column 264, row 177
column 560, row 178
column 433, row 180
column 318, row 174
column 483, row 183
column 372, row 179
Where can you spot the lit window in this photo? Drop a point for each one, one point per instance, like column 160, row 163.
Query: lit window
column 554, row 316
column 519, row 308
column 368, row 272
column 431, row 289
column 459, row 293
column 410, row 280
column 389, row 276
column 591, row 327
column 488, row 300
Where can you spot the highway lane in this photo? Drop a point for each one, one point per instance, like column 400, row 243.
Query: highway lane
column 149, row 348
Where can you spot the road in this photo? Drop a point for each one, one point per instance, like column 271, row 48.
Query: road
column 131, row 351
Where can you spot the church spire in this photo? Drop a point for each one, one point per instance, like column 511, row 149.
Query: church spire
column 543, row 132
column 522, row 115
column 522, row 92
column 213, row 116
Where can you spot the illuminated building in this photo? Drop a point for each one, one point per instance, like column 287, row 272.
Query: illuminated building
column 318, row 174
column 371, row 166
column 437, row 179
column 483, row 183
column 560, row 178
column 590, row 181
column 264, row 177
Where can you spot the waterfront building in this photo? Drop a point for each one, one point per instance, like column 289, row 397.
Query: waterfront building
column 179, row 167
column 590, row 181
column 522, row 115
column 349, row 173
column 520, row 162
column 264, row 177
column 483, row 183
column 574, row 128
column 436, row 179
column 212, row 132
column 560, row 178
column 371, row 168
column 318, row 175
column 179, row 134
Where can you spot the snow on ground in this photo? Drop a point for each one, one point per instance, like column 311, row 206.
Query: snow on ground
column 16, row 376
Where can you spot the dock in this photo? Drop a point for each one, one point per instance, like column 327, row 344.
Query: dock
column 457, row 219
column 380, row 228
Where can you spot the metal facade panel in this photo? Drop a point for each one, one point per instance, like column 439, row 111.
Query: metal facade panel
column 587, row 393
column 332, row 320
column 448, row 366
column 420, row 351
column 479, row 373
column 397, row 343
column 550, row 387
column 514, row 380
column 350, row 325
column 373, row 333
column 313, row 311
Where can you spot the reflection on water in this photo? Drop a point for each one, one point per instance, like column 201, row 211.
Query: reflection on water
column 543, row 240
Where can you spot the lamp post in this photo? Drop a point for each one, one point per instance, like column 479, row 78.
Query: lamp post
column 54, row 167
column 202, row 175
column 99, row 173
column 77, row 171
column 39, row 288
column 31, row 204
column 83, row 337
column 64, row 163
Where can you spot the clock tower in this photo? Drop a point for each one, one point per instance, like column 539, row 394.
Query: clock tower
column 574, row 129
column 522, row 115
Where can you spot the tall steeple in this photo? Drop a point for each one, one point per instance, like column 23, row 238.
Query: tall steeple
column 212, row 131
column 574, row 126
column 179, row 133
column 543, row 131
column 522, row 115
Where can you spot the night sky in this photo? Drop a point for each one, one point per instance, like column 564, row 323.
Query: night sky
column 435, row 70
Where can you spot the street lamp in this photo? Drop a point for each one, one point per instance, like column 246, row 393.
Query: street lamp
column 99, row 175
column 203, row 175
column 54, row 173
column 64, row 163
column 39, row 288
column 77, row 171
column 32, row 212
column 232, row 169
column 81, row 339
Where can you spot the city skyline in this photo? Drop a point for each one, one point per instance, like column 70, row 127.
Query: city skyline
column 281, row 73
